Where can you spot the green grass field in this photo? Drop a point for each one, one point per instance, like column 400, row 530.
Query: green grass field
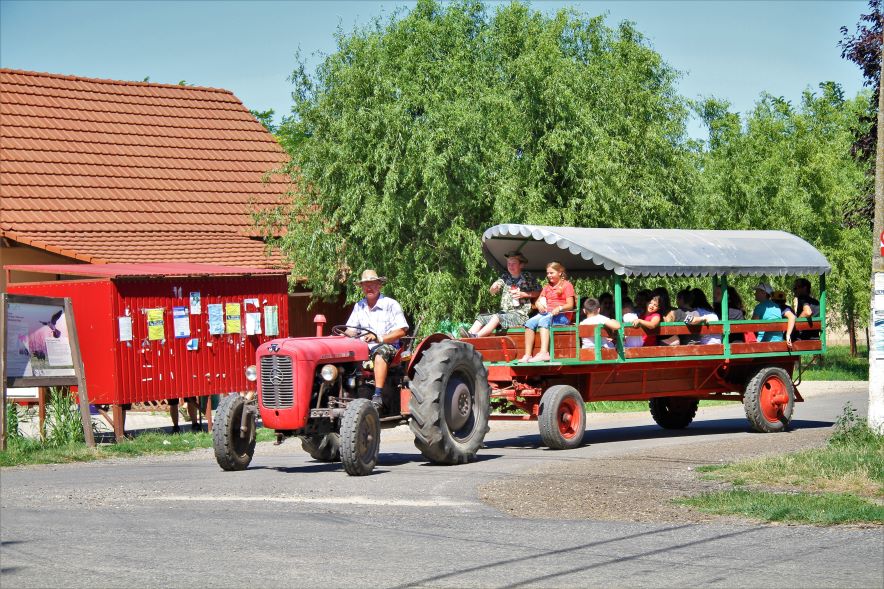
column 837, row 364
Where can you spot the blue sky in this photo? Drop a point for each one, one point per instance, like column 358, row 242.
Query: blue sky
column 732, row 50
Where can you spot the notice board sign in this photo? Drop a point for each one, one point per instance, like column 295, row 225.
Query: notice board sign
column 37, row 338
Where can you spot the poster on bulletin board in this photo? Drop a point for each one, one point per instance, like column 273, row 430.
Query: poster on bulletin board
column 233, row 318
column 156, row 327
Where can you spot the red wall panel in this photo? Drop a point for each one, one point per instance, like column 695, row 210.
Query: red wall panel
column 148, row 370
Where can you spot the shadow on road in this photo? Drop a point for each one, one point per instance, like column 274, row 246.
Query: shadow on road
column 708, row 427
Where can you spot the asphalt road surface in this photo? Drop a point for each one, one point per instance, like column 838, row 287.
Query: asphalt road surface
column 288, row 521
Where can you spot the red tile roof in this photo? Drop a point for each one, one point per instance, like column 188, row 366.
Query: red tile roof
column 139, row 270
column 111, row 171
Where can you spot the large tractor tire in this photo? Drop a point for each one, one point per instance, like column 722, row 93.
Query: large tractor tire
column 360, row 437
column 450, row 403
column 673, row 412
column 562, row 418
column 769, row 399
column 324, row 448
column 233, row 447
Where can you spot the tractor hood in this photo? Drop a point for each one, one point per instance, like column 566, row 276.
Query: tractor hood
column 332, row 349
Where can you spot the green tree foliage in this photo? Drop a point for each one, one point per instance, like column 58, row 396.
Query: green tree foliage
column 790, row 168
column 421, row 131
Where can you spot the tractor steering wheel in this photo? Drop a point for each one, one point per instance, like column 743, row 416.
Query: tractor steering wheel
column 360, row 331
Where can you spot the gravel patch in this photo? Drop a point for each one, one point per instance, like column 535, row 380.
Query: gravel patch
column 635, row 487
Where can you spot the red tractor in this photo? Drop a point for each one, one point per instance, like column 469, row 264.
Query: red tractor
column 319, row 389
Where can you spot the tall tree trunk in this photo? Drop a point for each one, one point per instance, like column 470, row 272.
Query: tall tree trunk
column 851, row 333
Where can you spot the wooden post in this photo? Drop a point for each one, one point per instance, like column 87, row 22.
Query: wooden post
column 42, row 393
column 209, row 413
column 3, row 370
column 79, row 369
column 119, row 431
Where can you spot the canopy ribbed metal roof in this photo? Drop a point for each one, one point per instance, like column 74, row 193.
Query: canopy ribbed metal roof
column 655, row 252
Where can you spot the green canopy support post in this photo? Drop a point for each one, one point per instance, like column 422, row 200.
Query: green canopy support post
column 618, row 315
column 823, row 312
column 725, row 317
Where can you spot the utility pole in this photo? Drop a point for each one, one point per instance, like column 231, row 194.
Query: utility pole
column 876, row 320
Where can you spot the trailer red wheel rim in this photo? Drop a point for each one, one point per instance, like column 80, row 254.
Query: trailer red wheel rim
column 774, row 398
column 569, row 418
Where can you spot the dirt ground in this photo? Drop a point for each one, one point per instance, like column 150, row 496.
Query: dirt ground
column 636, row 487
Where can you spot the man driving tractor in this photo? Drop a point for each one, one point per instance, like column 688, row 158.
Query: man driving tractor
column 382, row 322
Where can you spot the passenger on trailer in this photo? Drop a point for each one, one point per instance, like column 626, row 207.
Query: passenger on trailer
column 556, row 298
column 606, row 301
column 805, row 306
column 735, row 312
column 683, row 307
column 667, row 313
column 592, row 312
column 516, row 289
column 766, row 310
column 650, row 320
column 702, row 313
column 629, row 316
column 779, row 297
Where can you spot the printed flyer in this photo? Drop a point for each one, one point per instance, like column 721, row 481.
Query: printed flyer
column 156, row 326
column 233, row 318
column 216, row 319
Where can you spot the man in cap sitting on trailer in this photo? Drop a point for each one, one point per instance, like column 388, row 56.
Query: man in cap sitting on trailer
column 384, row 318
column 516, row 289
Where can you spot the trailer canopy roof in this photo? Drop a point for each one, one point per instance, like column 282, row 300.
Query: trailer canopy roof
column 655, row 252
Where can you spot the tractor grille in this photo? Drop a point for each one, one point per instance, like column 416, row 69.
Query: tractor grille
column 277, row 386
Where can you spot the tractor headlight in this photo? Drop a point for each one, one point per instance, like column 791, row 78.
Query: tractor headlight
column 252, row 373
column 329, row 372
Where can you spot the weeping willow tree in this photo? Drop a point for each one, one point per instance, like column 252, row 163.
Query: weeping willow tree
column 425, row 128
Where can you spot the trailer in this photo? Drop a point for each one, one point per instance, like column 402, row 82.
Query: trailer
column 673, row 379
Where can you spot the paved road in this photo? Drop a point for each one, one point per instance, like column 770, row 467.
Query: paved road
column 287, row 521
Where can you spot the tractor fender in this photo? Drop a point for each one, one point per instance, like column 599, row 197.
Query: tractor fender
column 421, row 348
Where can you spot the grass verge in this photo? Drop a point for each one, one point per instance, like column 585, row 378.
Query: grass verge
column 23, row 451
column 840, row 483
column 805, row 508
column 838, row 364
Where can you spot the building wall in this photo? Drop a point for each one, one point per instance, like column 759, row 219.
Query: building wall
column 12, row 252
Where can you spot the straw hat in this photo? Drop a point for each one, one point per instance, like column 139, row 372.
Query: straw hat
column 371, row 276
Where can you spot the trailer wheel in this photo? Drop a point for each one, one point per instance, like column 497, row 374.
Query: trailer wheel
column 673, row 412
column 360, row 437
column 233, row 448
column 324, row 448
column 562, row 418
column 450, row 403
column 769, row 400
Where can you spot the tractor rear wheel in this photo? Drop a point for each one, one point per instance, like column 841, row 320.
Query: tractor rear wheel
column 324, row 448
column 769, row 399
column 233, row 447
column 562, row 418
column 360, row 437
column 673, row 412
column 450, row 403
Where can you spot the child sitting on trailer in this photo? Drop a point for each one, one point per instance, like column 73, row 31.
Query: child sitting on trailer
column 592, row 312
column 555, row 298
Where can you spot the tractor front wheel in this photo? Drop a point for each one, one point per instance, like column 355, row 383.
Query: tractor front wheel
column 673, row 412
column 769, row 400
column 234, row 447
column 562, row 418
column 360, row 437
column 323, row 448
column 450, row 403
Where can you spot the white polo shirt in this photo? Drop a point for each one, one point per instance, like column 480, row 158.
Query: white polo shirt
column 384, row 317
